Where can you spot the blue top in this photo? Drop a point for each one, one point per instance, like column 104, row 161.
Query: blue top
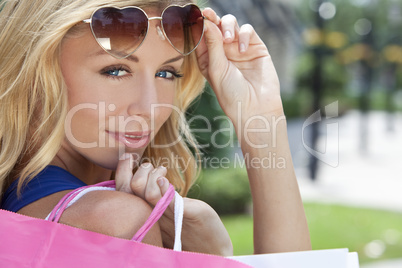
column 49, row 181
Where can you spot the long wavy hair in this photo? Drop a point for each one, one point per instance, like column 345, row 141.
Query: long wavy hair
column 33, row 94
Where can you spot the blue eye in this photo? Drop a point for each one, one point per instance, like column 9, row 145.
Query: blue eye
column 170, row 75
column 115, row 72
column 164, row 74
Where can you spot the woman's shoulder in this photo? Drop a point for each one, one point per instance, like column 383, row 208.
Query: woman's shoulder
column 111, row 213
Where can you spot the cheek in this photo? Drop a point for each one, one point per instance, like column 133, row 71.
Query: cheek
column 82, row 123
column 161, row 114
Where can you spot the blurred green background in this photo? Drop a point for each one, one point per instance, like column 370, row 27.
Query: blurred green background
column 344, row 51
column 374, row 234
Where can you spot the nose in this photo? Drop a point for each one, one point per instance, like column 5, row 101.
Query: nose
column 143, row 96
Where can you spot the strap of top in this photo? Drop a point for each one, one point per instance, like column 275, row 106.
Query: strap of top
column 156, row 214
column 50, row 180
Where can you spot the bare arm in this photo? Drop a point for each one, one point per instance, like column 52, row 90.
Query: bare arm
column 279, row 220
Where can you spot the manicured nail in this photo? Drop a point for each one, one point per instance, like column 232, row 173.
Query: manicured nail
column 242, row 48
column 161, row 181
column 146, row 165
column 158, row 168
column 228, row 35
column 125, row 156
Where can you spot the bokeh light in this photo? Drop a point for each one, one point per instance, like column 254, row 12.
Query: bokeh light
column 363, row 27
column 327, row 10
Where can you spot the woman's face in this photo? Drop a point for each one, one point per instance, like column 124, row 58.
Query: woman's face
column 116, row 105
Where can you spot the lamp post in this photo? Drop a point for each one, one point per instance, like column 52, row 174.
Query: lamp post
column 392, row 57
column 324, row 10
column 364, row 27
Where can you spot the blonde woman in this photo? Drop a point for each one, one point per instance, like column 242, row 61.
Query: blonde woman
column 89, row 88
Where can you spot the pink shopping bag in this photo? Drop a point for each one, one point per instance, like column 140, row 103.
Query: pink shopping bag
column 31, row 242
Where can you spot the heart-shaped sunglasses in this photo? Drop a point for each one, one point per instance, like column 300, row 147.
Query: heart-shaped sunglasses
column 121, row 31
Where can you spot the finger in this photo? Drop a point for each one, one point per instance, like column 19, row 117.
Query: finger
column 124, row 173
column 153, row 192
column 230, row 28
column 139, row 180
column 217, row 61
column 163, row 184
column 245, row 34
column 211, row 15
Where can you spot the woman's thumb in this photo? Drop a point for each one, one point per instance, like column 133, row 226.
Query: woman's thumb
column 124, row 173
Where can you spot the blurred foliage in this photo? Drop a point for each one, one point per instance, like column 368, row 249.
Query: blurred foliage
column 384, row 16
column 335, row 75
column 225, row 190
column 210, row 126
column 373, row 234
column 353, row 33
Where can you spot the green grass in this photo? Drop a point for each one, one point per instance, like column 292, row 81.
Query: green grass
column 333, row 226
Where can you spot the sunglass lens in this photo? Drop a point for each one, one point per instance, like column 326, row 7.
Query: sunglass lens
column 119, row 31
column 184, row 27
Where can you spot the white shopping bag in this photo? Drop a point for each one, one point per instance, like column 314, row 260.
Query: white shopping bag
column 331, row 258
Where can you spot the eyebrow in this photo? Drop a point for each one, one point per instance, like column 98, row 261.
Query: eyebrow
column 174, row 59
column 135, row 58
column 101, row 52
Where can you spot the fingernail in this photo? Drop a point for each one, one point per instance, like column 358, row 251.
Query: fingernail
column 161, row 181
column 125, row 156
column 242, row 48
column 146, row 165
column 162, row 168
column 228, row 35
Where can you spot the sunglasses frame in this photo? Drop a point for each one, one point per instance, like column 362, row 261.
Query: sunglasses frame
column 89, row 21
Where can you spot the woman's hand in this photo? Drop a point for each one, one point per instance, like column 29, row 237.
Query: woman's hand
column 239, row 68
column 203, row 231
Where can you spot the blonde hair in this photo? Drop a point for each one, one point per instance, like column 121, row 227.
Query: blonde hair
column 33, row 95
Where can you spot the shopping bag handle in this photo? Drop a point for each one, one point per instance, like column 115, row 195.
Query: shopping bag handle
column 158, row 211
column 156, row 214
column 72, row 196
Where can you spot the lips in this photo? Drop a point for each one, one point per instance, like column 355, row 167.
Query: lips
column 132, row 140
